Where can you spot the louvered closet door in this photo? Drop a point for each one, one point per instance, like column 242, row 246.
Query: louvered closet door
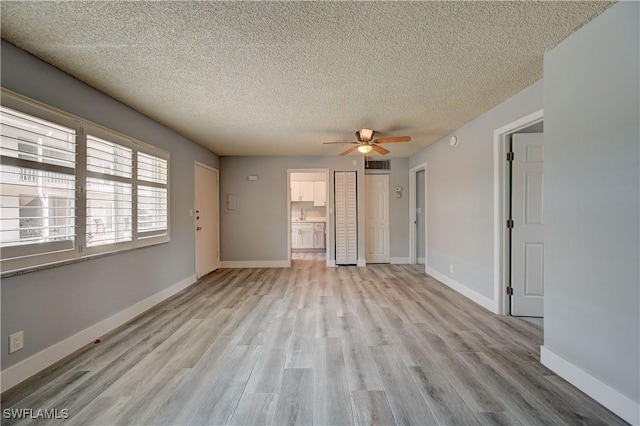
column 346, row 218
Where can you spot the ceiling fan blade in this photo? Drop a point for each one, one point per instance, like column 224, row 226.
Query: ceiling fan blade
column 350, row 150
column 329, row 143
column 380, row 150
column 396, row 139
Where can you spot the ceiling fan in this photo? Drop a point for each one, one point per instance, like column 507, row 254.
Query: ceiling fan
column 366, row 143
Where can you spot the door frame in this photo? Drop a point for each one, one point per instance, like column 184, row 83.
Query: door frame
column 413, row 238
column 501, row 194
column 328, row 225
column 193, row 215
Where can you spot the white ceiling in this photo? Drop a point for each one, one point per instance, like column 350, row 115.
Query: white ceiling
column 280, row 78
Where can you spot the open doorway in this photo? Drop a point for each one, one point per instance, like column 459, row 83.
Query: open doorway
column 518, row 241
column 308, row 215
column 418, row 215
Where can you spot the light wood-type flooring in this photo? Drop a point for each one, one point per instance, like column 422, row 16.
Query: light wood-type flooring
column 384, row 344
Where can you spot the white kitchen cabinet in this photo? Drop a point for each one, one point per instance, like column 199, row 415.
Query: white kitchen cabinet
column 302, row 191
column 302, row 235
column 319, row 235
column 320, row 193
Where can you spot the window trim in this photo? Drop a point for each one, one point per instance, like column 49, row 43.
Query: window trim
column 45, row 255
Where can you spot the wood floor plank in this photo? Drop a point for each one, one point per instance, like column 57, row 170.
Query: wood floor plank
column 217, row 402
column 554, row 399
column 295, row 399
column 371, row 408
column 141, row 405
column 446, row 404
column 327, row 318
column 498, row 418
column 255, row 409
column 385, row 344
column 301, row 352
column 101, row 411
column 362, row 373
column 413, row 349
column 405, row 399
column 332, row 403
column 522, row 404
column 266, row 376
column 372, row 323
column 572, row 397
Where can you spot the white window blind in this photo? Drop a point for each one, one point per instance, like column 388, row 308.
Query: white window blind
column 37, row 180
column 71, row 189
column 153, row 214
column 109, row 197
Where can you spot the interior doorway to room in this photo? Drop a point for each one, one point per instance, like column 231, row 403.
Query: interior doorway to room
column 206, row 219
column 420, row 222
column 527, row 225
column 308, row 213
column 418, row 215
column 518, row 236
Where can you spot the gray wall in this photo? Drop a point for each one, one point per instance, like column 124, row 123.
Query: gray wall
column 258, row 230
column 591, row 199
column 460, row 194
column 53, row 304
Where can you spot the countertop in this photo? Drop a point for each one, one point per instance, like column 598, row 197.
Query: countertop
column 310, row 220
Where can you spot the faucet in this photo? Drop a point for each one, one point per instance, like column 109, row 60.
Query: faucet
column 301, row 213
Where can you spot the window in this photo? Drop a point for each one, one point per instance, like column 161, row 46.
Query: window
column 37, row 178
column 153, row 213
column 109, row 197
column 70, row 189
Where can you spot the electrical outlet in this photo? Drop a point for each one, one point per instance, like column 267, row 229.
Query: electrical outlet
column 451, row 268
column 16, row 342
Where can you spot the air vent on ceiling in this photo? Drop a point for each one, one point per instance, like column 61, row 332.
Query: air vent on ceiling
column 377, row 164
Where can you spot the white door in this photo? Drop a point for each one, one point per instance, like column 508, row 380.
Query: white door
column 206, row 220
column 377, row 218
column 527, row 244
column 346, row 218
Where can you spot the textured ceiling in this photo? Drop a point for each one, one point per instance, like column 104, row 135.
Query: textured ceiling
column 280, row 78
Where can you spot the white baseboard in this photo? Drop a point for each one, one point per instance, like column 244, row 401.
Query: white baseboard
column 481, row 300
column 255, row 264
column 21, row 371
column 331, row 263
column 362, row 263
column 421, row 260
column 400, row 261
column 620, row 404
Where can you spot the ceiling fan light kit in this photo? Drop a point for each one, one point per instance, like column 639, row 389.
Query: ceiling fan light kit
column 365, row 149
column 366, row 143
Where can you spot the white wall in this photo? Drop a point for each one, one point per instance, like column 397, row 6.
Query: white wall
column 591, row 202
column 459, row 201
column 54, row 304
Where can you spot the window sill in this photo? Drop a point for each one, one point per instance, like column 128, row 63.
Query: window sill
column 30, row 269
